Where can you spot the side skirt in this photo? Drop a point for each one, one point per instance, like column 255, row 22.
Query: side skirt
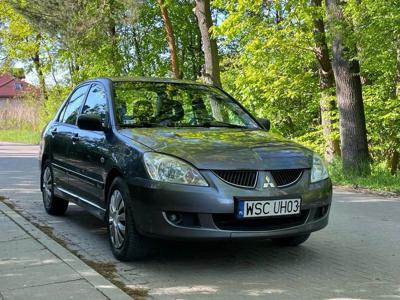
column 91, row 207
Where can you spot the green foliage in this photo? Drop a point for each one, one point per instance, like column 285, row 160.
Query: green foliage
column 272, row 68
column 377, row 29
column 17, row 37
column 94, row 38
column 18, row 72
column 56, row 97
column 144, row 43
column 383, row 121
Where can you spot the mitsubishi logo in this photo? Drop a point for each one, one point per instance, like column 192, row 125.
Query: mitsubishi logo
column 268, row 182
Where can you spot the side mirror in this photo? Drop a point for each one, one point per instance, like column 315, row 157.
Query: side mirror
column 265, row 123
column 90, row 122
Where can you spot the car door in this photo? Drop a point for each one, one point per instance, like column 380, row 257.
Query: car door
column 89, row 151
column 62, row 132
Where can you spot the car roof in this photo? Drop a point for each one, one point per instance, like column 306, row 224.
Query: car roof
column 148, row 79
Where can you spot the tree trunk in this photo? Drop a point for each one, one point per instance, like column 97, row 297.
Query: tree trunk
column 212, row 71
column 353, row 133
column 171, row 40
column 394, row 161
column 398, row 68
column 117, row 61
column 52, row 67
column 326, row 84
column 38, row 68
column 74, row 68
column 138, row 51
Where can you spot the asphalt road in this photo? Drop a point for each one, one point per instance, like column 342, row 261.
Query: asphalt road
column 356, row 257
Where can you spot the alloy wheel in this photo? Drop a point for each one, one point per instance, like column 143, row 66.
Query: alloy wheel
column 116, row 219
column 47, row 186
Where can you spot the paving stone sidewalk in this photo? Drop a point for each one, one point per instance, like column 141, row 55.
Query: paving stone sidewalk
column 33, row 266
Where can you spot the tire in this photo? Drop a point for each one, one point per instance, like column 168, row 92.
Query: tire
column 125, row 241
column 291, row 241
column 54, row 205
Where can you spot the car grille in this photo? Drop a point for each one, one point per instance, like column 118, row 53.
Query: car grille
column 286, row 177
column 231, row 222
column 248, row 179
column 240, row 178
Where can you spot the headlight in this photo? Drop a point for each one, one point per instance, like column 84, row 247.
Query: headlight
column 166, row 168
column 319, row 170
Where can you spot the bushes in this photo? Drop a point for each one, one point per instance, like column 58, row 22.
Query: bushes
column 56, row 96
column 20, row 113
column 22, row 120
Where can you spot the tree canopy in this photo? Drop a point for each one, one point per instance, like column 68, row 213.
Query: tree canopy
column 277, row 57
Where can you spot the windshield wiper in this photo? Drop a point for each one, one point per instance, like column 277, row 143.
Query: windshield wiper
column 220, row 124
column 139, row 125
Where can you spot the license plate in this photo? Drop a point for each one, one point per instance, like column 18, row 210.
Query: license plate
column 269, row 208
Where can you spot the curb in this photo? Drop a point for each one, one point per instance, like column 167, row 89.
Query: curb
column 95, row 279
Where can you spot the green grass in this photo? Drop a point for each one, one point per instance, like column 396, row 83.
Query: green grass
column 379, row 180
column 20, row 136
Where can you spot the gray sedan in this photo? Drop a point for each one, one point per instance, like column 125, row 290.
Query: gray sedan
column 157, row 158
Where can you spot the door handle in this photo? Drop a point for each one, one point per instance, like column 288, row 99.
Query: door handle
column 75, row 138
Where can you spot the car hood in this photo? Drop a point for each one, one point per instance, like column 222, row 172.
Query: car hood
column 224, row 148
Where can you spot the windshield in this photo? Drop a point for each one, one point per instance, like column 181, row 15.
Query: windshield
column 150, row 104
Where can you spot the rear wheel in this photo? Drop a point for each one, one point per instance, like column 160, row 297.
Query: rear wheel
column 53, row 205
column 126, row 243
column 291, row 241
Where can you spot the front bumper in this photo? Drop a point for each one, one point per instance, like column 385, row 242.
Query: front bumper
column 209, row 212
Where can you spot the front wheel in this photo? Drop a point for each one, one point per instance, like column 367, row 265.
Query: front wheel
column 126, row 243
column 53, row 205
column 291, row 241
